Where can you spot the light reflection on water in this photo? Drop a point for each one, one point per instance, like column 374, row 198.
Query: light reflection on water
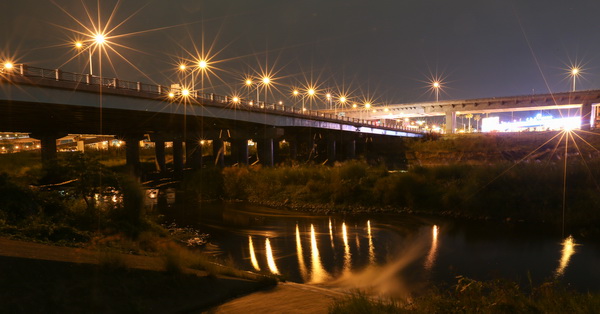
column 300, row 254
column 567, row 251
column 387, row 252
column 253, row 259
column 318, row 273
column 433, row 250
column 270, row 258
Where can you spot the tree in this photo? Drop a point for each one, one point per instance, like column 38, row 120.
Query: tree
column 469, row 116
column 477, row 118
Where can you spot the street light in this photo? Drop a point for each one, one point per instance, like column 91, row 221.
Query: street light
column 79, row 46
column 574, row 73
column 436, row 87
column 249, row 84
column 265, row 81
column 311, row 94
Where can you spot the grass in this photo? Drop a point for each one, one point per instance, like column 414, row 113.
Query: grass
column 37, row 286
column 527, row 191
column 471, row 296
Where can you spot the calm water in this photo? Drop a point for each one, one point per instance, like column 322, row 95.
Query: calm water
column 389, row 253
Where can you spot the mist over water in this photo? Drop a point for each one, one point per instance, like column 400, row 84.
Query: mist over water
column 392, row 255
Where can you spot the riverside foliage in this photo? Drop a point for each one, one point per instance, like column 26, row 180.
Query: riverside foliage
column 527, row 191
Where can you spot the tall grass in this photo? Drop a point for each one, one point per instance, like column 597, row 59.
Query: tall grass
column 527, row 191
column 471, row 296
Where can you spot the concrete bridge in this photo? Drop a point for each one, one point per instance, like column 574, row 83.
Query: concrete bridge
column 585, row 101
column 50, row 104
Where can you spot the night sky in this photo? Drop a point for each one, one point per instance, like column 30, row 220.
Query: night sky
column 385, row 51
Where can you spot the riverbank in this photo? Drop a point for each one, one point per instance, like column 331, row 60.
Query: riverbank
column 44, row 278
column 503, row 192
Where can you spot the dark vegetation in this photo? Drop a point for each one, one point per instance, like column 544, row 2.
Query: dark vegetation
column 93, row 200
column 503, row 191
column 471, row 296
column 37, row 286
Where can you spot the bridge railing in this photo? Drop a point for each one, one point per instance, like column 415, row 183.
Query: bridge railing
column 162, row 91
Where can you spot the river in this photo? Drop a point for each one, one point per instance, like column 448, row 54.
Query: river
column 388, row 253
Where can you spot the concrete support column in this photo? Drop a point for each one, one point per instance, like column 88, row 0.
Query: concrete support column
column 178, row 157
column 132, row 154
column 350, row 149
column 159, row 155
column 331, row 149
column 48, row 148
column 586, row 116
column 239, row 151
column 450, row 122
column 265, row 152
column 219, row 152
column 193, row 153
column 293, row 148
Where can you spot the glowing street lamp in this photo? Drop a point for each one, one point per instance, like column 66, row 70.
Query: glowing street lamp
column 100, row 39
column 8, row 65
column 575, row 71
column 265, row 82
column 436, row 87
column 311, row 92
column 80, row 46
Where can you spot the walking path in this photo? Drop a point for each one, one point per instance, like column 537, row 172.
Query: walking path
column 284, row 298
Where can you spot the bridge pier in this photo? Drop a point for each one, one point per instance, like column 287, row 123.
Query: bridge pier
column 265, row 151
column 450, row 122
column 218, row 146
column 239, row 151
column 350, row 149
column 178, row 157
column 48, row 146
column 159, row 156
column 331, row 148
column 193, row 154
column 132, row 153
column 586, row 116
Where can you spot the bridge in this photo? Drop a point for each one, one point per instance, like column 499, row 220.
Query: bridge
column 584, row 101
column 50, row 103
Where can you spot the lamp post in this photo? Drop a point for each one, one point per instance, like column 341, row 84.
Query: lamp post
column 311, row 93
column 80, row 46
column 203, row 67
column 265, row 82
column 342, row 100
column 249, row 84
column 574, row 73
column 436, row 87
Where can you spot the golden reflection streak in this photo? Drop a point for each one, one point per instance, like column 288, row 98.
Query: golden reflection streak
column 331, row 233
column 303, row 270
column 433, row 250
column 567, row 251
column 371, row 247
column 347, row 255
column 252, row 254
column 270, row 259
column 318, row 273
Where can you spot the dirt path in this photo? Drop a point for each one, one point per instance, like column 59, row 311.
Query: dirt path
column 23, row 249
column 285, row 298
